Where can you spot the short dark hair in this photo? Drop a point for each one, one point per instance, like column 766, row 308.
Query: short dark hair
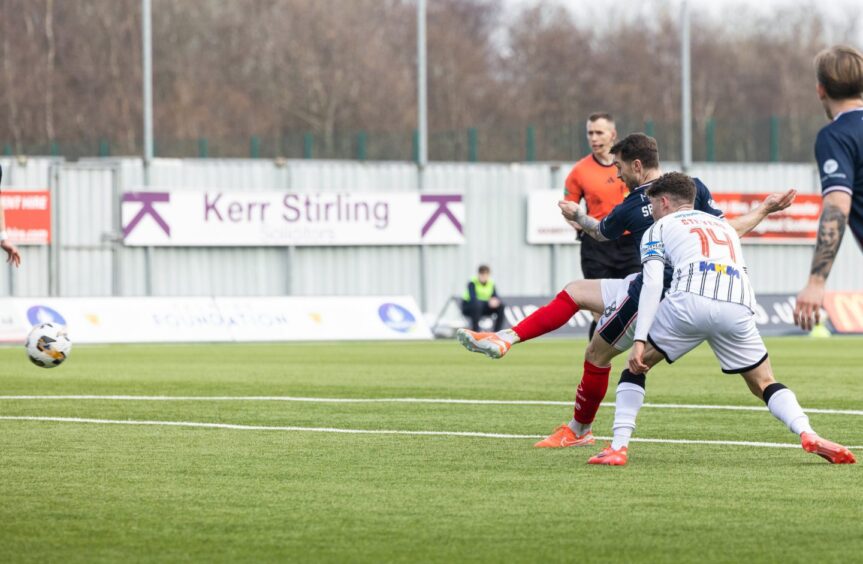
column 840, row 72
column 483, row 269
column 638, row 146
column 600, row 115
column 677, row 185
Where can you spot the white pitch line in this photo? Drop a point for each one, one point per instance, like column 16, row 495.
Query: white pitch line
column 408, row 400
column 235, row 427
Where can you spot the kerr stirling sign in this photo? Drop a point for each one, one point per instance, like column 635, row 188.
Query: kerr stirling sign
column 216, row 218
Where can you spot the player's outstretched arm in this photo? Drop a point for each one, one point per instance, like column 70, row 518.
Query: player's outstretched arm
column 12, row 255
column 573, row 212
column 772, row 203
column 831, row 228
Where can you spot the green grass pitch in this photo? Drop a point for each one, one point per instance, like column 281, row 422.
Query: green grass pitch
column 92, row 492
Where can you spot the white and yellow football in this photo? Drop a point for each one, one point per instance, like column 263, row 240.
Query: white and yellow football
column 48, row 345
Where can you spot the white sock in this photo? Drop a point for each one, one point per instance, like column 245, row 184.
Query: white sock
column 509, row 336
column 784, row 407
column 630, row 397
column 579, row 428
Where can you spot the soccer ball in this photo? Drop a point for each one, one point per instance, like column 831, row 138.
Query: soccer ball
column 47, row 345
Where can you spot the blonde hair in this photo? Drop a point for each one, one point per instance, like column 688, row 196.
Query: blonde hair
column 840, row 72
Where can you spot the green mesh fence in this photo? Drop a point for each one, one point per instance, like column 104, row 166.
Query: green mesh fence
column 758, row 139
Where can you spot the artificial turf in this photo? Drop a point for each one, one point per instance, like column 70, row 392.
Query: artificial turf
column 90, row 492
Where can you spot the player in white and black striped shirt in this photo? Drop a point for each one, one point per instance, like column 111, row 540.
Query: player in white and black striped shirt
column 709, row 261
column 697, row 245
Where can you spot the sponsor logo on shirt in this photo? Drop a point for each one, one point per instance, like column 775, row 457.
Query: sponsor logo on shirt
column 830, row 166
column 720, row 268
column 652, row 249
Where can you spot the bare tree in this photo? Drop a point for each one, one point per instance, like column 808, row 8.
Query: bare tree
column 282, row 68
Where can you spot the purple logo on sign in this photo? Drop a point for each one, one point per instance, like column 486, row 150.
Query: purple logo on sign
column 442, row 201
column 146, row 199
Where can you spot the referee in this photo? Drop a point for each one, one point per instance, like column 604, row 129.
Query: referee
column 594, row 179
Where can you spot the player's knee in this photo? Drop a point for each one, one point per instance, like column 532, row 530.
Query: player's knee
column 573, row 290
column 579, row 291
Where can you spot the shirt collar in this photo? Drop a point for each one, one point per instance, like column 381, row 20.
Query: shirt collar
column 643, row 186
column 840, row 114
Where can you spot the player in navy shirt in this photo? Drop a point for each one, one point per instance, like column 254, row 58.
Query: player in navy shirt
column 629, row 214
column 628, row 217
column 637, row 160
column 839, row 153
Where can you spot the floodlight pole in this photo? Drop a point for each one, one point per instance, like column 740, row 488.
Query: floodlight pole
column 685, row 90
column 422, row 90
column 147, row 79
column 147, row 56
column 422, row 134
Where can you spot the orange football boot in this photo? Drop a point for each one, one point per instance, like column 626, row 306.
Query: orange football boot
column 610, row 457
column 829, row 451
column 564, row 437
column 489, row 344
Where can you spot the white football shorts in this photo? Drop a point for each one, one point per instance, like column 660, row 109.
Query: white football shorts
column 685, row 320
column 616, row 326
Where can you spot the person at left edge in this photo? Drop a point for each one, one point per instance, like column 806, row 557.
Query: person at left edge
column 480, row 300
column 12, row 255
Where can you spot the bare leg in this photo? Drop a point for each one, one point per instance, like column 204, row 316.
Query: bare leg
column 587, row 294
column 575, row 296
column 783, row 405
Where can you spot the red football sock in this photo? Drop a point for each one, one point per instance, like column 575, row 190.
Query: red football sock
column 547, row 318
column 591, row 392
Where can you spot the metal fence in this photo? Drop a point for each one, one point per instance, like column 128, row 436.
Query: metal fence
column 87, row 257
column 757, row 139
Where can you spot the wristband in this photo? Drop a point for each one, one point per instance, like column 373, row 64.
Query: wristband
column 3, row 235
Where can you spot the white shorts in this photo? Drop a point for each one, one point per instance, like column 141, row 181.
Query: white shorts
column 616, row 326
column 686, row 320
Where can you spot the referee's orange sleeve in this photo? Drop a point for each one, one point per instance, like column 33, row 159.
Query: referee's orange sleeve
column 572, row 188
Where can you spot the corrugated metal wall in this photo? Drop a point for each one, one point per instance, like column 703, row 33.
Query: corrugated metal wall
column 89, row 260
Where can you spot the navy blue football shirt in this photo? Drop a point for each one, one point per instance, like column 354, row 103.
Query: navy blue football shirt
column 839, row 152
column 633, row 214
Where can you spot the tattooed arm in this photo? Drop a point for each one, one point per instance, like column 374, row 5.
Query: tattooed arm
column 573, row 212
column 831, row 228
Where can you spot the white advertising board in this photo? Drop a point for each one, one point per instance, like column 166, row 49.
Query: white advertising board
column 217, row 218
column 190, row 320
column 127, row 320
column 320, row 319
column 545, row 225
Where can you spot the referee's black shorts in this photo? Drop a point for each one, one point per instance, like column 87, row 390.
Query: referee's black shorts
column 609, row 259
